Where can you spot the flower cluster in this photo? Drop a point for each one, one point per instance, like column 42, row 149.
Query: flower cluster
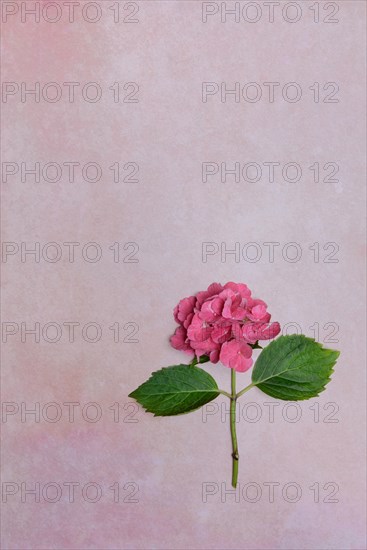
column 223, row 322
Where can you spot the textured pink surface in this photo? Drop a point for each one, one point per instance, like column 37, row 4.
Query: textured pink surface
column 170, row 212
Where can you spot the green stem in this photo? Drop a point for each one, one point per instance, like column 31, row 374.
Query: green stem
column 235, row 455
column 225, row 393
column 245, row 390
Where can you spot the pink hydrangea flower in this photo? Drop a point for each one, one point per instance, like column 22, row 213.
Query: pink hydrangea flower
column 223, row 322
column 236, row 355
column 180, row 341
column 252, row 332
column 184, row 310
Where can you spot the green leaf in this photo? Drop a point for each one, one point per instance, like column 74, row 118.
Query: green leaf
column 176, row 390
column 256, row 345
column 196, row 361
column 293, row 368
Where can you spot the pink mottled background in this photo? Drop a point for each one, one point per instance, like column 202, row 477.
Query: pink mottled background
column 170, row 212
